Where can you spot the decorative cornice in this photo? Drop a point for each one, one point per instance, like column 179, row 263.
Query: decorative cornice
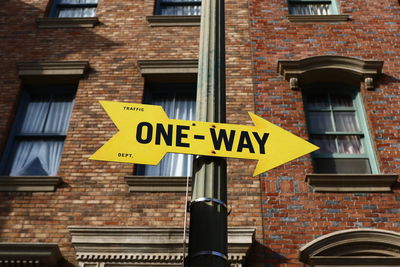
column 29, row 183
column 156, row 21
column 318, row 18
column 51, row 23
column 296, row 68
column 327, row 67
column 59, row 68
column 157, row 184
column 167, row 66
column 155, row 245
column 353, row 246
column 29, row 254
column 352, row 182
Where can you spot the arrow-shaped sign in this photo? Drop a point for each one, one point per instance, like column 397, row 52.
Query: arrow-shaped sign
column 146, row 134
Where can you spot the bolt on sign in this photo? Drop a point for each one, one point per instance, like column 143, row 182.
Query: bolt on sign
column 146, row 134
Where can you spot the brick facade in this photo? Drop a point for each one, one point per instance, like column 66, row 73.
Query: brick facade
column 279, row 204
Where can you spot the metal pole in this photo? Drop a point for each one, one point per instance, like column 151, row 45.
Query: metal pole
column 208, row 210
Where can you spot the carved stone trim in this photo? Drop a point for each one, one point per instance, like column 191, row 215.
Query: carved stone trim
column 139, row 246
column 51, row 23
column 29, row 183
column 352, row 182
column 355, row 246
column 156, row 21
column 167, row 66
column 71, row 68
column 157, row 184
column 318, row 18
column 29, row 254
column 321, row 68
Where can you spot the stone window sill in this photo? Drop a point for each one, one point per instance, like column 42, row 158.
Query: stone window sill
column 165, row 21
column 157, row 183
column 317, row 18
column 29, row 183
column 51, row 23
column 352, row 182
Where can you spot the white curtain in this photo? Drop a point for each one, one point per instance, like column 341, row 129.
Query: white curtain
column 180, row 10
column 309, row 9
column 41, row 155
column 37, row 158
column 344, row 121
column 177, row 107
column 80, row 11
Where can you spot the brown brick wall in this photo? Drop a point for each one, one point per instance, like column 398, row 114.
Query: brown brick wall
column 94, row 193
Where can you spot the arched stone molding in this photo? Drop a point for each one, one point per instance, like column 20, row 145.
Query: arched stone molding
column 330, row 69
column 355, row 247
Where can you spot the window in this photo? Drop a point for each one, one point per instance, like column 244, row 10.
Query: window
column 178, row 101
column 337, row 125
column 73, row 8
column 35, row 145
column 312, row 7
column 178, row 7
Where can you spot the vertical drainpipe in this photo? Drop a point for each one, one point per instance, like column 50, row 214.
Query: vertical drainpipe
column 208, row 210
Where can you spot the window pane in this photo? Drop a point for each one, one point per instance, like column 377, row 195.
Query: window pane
column 326, row 144
column 342, row 166
column 77, row 12
column 346, row 121
column 309, row 9
column 350, row 144
column 37, row 157
column 339, row 101
column 35, row 116
column 58, row 118
column 318, row 101
column 320, row 121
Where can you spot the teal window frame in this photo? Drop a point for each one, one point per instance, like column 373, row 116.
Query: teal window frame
column 360, row 115
column 334, row 8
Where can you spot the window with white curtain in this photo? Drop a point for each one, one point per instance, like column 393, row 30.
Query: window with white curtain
column 312, row 7
column 179, row 102
column 35, row 145
column 336, row 123
column 73, row 8
column 178, row 7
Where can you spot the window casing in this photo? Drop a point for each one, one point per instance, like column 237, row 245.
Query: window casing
column 74, row 8
column 178, row 101
column 36, row 141
column 337, row 124
column 178, row 7
column 313, row 7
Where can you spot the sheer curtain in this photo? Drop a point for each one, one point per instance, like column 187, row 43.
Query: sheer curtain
column 180, row 7
column 37, row 151
column 68, row 10
column 177, row 107
column 310, row 9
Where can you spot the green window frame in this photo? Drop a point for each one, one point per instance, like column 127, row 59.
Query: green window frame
column 336, row 122
column 313, row 7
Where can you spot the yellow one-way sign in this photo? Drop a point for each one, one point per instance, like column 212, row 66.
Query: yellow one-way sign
column 146, row 134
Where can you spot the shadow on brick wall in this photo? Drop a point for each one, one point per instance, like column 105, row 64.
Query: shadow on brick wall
column 262, row 256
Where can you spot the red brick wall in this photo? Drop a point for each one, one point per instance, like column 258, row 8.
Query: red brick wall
column 292, row 214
